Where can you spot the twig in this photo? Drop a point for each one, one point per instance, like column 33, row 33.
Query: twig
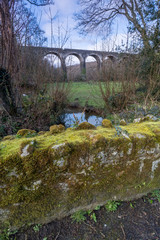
column 57, row 236
column 123, row 232
column 95, row 229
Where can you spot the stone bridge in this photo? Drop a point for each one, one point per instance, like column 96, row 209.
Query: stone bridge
column 82, row 55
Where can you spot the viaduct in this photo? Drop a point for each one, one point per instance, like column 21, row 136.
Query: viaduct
column 62, row 54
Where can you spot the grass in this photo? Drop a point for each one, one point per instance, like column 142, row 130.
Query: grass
column 89, row 93
column 85, row 93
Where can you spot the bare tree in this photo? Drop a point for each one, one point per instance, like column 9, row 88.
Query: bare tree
column 9, row 53
column 8, row 41
column 143, row 15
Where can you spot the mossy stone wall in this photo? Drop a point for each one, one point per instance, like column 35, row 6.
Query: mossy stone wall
column 54, row 174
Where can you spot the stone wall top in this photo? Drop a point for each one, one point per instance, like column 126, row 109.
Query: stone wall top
column 52, row 174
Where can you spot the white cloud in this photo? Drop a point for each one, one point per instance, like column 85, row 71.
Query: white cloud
column 65, row 10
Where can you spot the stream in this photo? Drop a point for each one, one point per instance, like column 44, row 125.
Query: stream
column 70, row 119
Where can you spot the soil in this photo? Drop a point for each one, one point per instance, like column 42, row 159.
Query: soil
column 134, row 220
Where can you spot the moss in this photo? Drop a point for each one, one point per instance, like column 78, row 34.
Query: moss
column 41, row 132
column 85, row 126
column 57, row 129
column 123, row 122
column 107, row 123
column 9, row 137
column 25, row 132
column 156, row 131
column 73, row 168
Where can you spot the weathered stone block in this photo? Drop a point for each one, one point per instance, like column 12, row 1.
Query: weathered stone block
column 51, row 176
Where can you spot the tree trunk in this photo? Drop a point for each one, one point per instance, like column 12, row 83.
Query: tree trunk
column 8, row 54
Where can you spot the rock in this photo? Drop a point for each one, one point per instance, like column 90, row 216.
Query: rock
column 25, row 132
column 57, row 129
column 148, row 117
column 85, row 125
column 123, row 122
column 138, row 120
column 107, row 123
column 27, row 148
column 54, row 176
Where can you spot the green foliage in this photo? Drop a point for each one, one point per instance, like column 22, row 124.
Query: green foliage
column 132, row 204
column 150, row 201
column 30, row 135
column 79, row 216
column 6, row 234
column 18, row 136
column 93, row 217
column 112, row 206
column 156, row 194
column 2, row 130
column 37, row 227
column 97, row 208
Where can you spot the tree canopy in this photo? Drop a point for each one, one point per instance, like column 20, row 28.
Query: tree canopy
column 143, row 16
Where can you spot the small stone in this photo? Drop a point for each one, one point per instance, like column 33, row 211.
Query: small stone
column 137, row 120
column 150, row 117
column 107, row 123
column 85, row 125
column 123, row 122
column 57, row 128
column 36, row 184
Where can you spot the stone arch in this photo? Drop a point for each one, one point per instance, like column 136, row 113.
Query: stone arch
column 111, row 57
column 76, row 55
column 55, row 54
column 93, row 67
column 73, row 67
column 97, row 58
column 57, row 64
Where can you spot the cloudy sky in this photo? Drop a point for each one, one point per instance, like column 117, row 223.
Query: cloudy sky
column 62, row 14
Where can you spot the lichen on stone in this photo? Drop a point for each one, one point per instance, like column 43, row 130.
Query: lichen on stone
column 27, row 147
column 52, row 175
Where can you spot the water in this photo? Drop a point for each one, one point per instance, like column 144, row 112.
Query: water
column 70, row 119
